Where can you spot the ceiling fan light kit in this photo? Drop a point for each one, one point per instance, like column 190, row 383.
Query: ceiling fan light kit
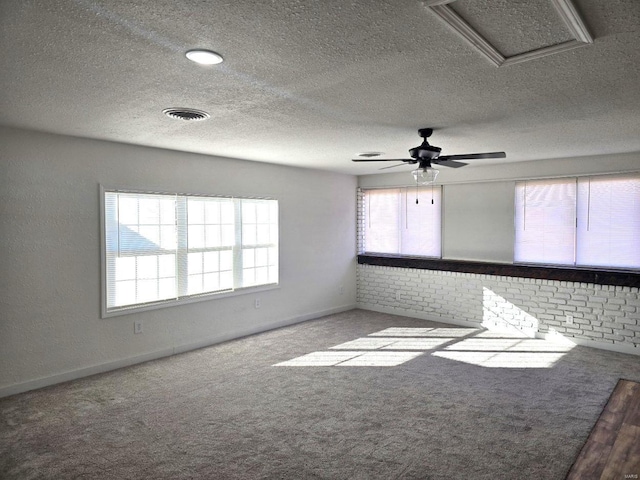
column 425, row 176
column 424, row 155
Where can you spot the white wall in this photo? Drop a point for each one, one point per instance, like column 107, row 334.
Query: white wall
column 50, row 325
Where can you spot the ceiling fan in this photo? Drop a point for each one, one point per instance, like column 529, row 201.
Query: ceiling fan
column 426, row 155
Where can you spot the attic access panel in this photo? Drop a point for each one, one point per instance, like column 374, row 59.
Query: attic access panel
column 577, row 32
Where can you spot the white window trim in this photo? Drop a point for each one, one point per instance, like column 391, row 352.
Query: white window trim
column 128, row 310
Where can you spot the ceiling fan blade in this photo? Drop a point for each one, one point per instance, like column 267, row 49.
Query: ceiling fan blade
column 473, row 156
column 392, row 166
column 448, row 163
column 406, row 160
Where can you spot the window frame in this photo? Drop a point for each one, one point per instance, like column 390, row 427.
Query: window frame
column 182, row 299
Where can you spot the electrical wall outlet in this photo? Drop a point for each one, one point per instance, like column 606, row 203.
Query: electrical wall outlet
column 398, row 293
column 341, row 289
column 137, row 326
column 257, row 304
column 570, row 319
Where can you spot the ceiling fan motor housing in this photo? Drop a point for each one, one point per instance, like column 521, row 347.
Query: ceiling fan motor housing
column 425, row 151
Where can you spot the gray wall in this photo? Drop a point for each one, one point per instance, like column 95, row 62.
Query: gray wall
column 50, row 325
column 479, row 222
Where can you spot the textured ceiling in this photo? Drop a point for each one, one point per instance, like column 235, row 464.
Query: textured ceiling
column 311, row 83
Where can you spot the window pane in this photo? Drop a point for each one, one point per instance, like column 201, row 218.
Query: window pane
column 262, row 212
column 261, row 257
column 168, row 237
column 195, row 211
column 226, row 280
column 149, row 210
column 127, row 209
column 151, row 234
column 228, row 236
column 227, row 214
column 167, row 266
column 196, row 236
column 545, row 221
column 608, row 232
column 212, row 234
column 248, row 258
column 262, row 234
column 212, row 213
column 273, row 274
column 421, row 233
column 125, row 268
column 382, row 228
column 248, row 277
column 211, row 261
column 140, row 241
column 147, row 290
column 249, row 236
column 195, row 263
column 211, row 282
column 167, row 288
column 262, row 275
column 167, row 211
column 147, row 267
column 195, row 284
column 226, row 260
column 125, row 293
column 249, row 212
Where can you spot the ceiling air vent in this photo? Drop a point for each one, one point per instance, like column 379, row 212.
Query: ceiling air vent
column 188, row 114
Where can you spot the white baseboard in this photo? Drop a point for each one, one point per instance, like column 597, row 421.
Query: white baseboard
column 613, row 347
column 166, row 352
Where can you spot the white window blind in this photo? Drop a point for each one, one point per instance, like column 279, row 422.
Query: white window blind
column 394, row 223
column 587, row 221
column 608, row 232
column 545, row 221
column 161, row 248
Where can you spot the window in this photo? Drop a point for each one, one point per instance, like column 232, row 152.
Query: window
column 394, row 223
column 161, row 248
column 587, row 221
column 545, row 221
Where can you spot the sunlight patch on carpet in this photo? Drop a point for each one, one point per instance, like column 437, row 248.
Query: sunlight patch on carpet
column 504, row 359
column 397, row 345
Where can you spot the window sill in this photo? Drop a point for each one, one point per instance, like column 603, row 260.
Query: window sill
column 627, row 278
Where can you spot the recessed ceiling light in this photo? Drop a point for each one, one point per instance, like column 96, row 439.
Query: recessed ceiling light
column 204, row 57
column 370, row 154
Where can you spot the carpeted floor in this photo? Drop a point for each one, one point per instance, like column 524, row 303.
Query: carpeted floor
column 405, row 398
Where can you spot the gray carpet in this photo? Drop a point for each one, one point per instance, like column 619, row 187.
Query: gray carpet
column 467, row 405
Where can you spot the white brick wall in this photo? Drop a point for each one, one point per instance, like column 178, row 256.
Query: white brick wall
column 607, row 315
